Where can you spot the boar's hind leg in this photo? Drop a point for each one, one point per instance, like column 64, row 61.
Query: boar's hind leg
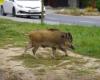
column 53, row 52
column 35, row 49
column 29, row 45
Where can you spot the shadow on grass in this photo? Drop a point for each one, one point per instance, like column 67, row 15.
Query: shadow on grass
column 31, row 61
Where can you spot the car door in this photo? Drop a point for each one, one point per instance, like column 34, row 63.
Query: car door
column 8, row 5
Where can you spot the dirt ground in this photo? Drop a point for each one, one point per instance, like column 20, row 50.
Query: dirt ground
column 78, row 68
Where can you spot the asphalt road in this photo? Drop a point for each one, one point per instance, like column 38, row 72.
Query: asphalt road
column 52, row 18
column 84, row 20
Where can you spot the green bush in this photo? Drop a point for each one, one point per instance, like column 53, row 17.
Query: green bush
column 85, row 3
column 98, row 4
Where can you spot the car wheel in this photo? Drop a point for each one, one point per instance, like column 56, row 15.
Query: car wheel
column 28, row 16
column 41, row 17
column 13, row 12
column 2, row 12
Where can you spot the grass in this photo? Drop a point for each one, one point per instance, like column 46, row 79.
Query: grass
column 86, row 39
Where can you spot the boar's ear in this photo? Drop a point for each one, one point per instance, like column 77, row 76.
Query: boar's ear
column 69, row 36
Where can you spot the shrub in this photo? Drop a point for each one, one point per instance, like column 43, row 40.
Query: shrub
column 98, row 4
column 90, row 9
column 84, row 3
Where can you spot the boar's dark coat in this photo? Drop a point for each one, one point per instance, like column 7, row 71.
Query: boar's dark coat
column 50, row 38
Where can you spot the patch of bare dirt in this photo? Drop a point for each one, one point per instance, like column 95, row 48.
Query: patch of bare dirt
column 77, row 68
column 11, row 69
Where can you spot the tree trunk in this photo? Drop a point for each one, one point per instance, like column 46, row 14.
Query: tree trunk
column 93, row 3
column 73, row 3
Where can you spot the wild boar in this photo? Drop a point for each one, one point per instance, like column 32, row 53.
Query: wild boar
column 53, row 38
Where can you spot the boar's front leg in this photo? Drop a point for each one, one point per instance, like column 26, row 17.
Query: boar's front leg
column 64, row 49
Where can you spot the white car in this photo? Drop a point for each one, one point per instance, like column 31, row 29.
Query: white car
column 22, row 8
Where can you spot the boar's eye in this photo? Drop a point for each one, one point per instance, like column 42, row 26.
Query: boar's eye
column 62, row 36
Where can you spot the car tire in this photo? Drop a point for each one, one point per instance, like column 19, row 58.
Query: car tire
column 2, row 11
column 13, row 12
column 28, row 16
column 39, row 17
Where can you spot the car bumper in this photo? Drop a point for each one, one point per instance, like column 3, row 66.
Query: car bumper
column 29, row 13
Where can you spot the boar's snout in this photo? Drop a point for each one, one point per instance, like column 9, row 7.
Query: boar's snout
column 72, row 47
